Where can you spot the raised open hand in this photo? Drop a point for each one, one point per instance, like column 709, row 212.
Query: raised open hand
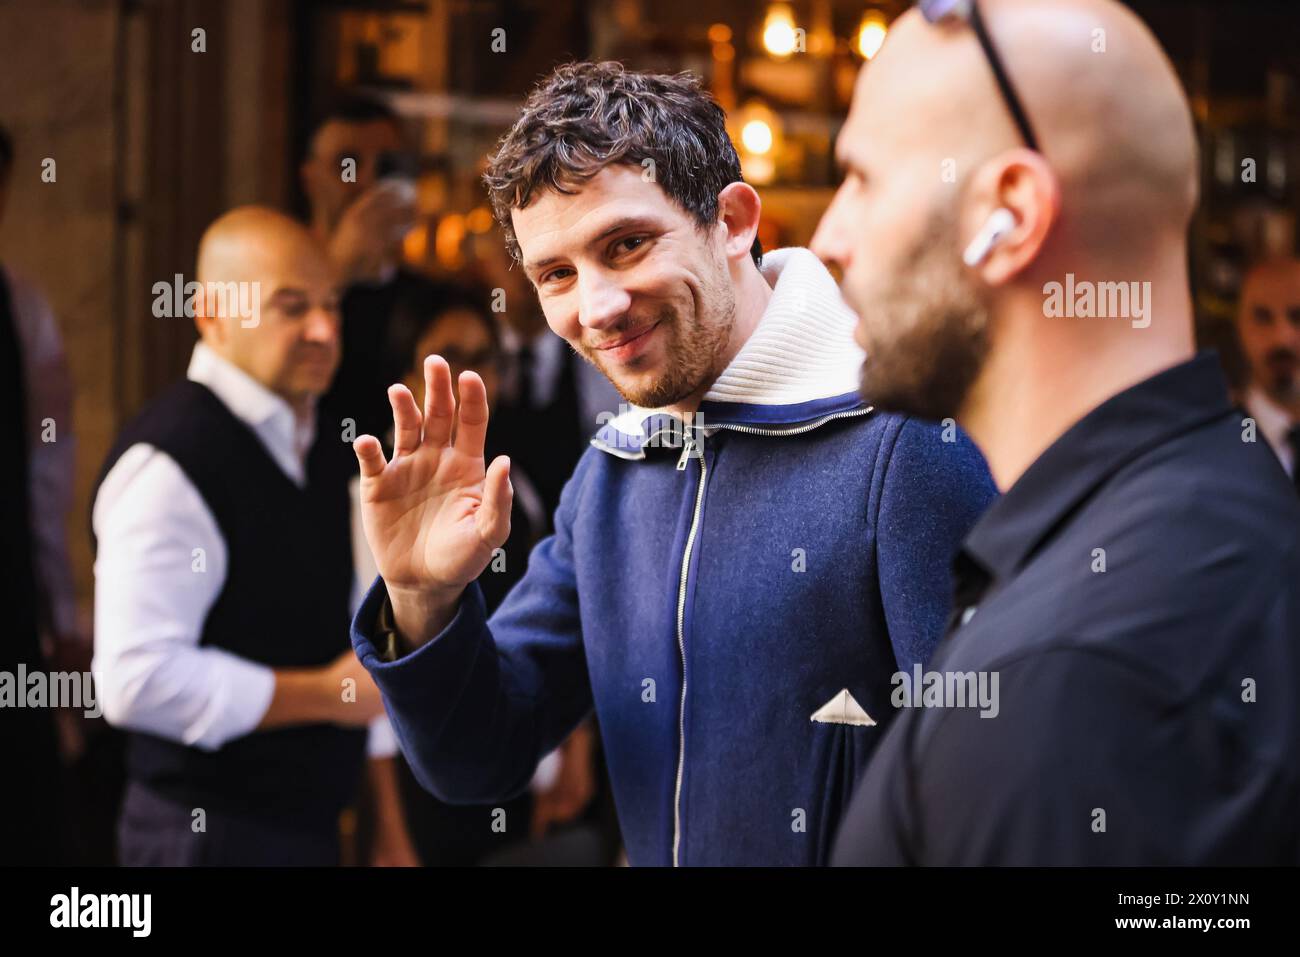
column 434, row 514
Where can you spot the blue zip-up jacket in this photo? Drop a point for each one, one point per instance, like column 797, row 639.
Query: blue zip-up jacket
column 733, row 605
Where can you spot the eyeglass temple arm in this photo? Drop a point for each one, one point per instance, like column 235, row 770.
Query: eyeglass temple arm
column 1004, row 83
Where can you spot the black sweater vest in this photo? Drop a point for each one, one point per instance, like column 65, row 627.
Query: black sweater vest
column 284, row 604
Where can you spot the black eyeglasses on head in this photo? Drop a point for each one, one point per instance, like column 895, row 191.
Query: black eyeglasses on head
column 939, row 11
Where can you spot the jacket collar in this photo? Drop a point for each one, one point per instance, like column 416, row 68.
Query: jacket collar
column 799, row 366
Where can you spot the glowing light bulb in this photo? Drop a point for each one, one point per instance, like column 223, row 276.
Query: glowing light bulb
column 871, row 33
column 779, row 34
column 756, row 136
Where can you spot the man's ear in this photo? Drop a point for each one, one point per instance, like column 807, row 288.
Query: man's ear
column 739, row 209
column 208, row 325
column 1025, row 185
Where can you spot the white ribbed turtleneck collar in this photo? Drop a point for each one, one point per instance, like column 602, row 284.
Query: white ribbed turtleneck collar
column 800, row 364
column 803, row 348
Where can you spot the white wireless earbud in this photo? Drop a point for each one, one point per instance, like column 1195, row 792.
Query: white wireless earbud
column 995, row 228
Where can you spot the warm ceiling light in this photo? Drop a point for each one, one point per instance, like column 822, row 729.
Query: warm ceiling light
column 756, row 137
column 415, row 244
column 447, row 239
column 479, row 220
column 871, row 33
column 779, row 37
column 759, row 140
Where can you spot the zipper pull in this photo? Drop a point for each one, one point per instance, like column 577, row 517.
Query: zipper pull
column 688, row 451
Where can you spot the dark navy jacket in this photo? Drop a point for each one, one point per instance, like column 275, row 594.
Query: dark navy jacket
column 783, row 560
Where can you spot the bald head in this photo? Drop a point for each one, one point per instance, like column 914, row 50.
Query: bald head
column 1268, row 326
column 243, row 244
column 269, row 302
column 1102, row 97
column 1109, row 111
column 950, row 231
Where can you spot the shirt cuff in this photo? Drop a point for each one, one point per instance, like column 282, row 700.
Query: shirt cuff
column 242, row 691
column 388, row 643
column 418, row 675
column 381, row 742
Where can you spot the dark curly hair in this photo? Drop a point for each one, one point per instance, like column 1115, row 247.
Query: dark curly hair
column 586, row 116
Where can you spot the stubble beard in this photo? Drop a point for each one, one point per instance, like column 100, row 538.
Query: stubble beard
column 694, row 350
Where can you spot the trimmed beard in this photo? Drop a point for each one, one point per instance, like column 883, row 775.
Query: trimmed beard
column 694, row 350
column 929, row 338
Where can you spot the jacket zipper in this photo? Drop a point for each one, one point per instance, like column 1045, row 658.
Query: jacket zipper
column 689, row 447
column 797, row 430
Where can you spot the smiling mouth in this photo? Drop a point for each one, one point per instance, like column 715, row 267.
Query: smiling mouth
column 626, row 340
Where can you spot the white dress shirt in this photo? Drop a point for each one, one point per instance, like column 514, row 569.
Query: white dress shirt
column 1274, row 423
column 152, row 674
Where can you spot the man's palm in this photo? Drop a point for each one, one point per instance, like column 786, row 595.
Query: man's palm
column 434, row 514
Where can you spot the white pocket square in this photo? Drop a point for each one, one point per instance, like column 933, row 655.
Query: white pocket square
column 843, row 709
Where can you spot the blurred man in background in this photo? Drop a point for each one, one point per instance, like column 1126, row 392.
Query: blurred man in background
column 1268, row 327
column 1133, row 598
column 358, row 180
column 220, row 505
column 36, row 589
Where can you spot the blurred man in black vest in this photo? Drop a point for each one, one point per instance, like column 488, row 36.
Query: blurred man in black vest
column 220, row 507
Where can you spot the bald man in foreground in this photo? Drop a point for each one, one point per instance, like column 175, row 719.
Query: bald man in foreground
column 223, row 573
column 1016, row 252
